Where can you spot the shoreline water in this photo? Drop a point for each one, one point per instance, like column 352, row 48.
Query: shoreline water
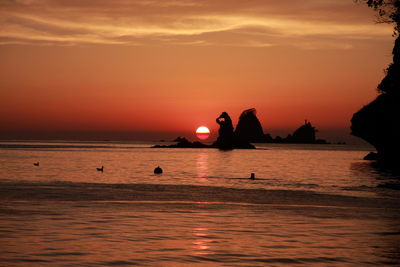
column 309, row 205
column 53, row 224
column 334, row 169
column 68, row 191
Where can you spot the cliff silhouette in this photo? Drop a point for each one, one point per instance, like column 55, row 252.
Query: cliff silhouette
column 378, row 122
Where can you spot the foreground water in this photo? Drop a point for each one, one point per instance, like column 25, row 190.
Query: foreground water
column 310, row 205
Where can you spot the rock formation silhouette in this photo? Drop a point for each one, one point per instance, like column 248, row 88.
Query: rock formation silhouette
column 179, row 139
column 249, row 128
column 305, row 134
column 227, row 139
column 378, row 122
column 183, row 143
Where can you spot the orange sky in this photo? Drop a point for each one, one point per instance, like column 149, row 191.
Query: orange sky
column 169, row 66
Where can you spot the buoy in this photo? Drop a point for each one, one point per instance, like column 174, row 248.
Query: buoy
column 158, row 170
column 252, row 176
column 36, row 163
column 100, row 169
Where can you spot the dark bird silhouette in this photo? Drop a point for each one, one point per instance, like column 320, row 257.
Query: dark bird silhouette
column 252, row 176
column 36, row 163
column 158, row 170
column 100, row 169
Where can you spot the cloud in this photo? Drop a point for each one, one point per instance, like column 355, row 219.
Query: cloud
column 155, row 22
column 45, row 27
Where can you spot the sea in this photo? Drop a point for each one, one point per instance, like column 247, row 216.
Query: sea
column 309, row 205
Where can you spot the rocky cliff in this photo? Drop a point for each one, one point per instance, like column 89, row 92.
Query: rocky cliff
column 378, row 122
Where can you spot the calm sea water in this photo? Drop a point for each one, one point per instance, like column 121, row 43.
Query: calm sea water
column 309, row 205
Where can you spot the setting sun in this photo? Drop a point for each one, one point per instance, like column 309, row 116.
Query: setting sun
column 202, row 133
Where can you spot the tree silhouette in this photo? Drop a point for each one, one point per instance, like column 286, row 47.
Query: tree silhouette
column 389, row 12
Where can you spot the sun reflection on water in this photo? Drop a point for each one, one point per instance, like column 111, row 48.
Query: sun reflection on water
column 201, row 234
column 202, row 166
column 201, row 244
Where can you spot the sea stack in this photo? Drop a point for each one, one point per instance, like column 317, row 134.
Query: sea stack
column 249, row 128
column 227, row 139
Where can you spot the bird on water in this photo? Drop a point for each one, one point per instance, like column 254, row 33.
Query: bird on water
column 100, row 169
column 252, row 176
column 36, row 163
column 158, row 170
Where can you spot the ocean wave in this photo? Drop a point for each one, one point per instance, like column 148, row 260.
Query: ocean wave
column 62, row 146
column 69, row 191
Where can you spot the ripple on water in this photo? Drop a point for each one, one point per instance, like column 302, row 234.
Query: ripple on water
column 173, row 234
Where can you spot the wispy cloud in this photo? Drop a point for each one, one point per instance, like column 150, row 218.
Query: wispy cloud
column 156, row 22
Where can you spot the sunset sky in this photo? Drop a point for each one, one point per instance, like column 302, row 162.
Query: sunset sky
column 153, row 69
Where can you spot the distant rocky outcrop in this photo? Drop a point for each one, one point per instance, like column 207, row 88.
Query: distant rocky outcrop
column 249, row 130
column 183, row 143
column 226, row 137
column 179, row 139
column 226, row 140
column 249, row 127
column 305, row 134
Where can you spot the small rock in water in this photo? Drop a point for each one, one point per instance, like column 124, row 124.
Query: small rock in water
column 158, row 170
column 371, row 156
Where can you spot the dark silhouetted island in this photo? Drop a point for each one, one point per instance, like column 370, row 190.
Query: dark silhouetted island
column 184, row 143
column 180, row 139
column 227, row 138
column 378, row 122
column 305, row 134
column 248, row 130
